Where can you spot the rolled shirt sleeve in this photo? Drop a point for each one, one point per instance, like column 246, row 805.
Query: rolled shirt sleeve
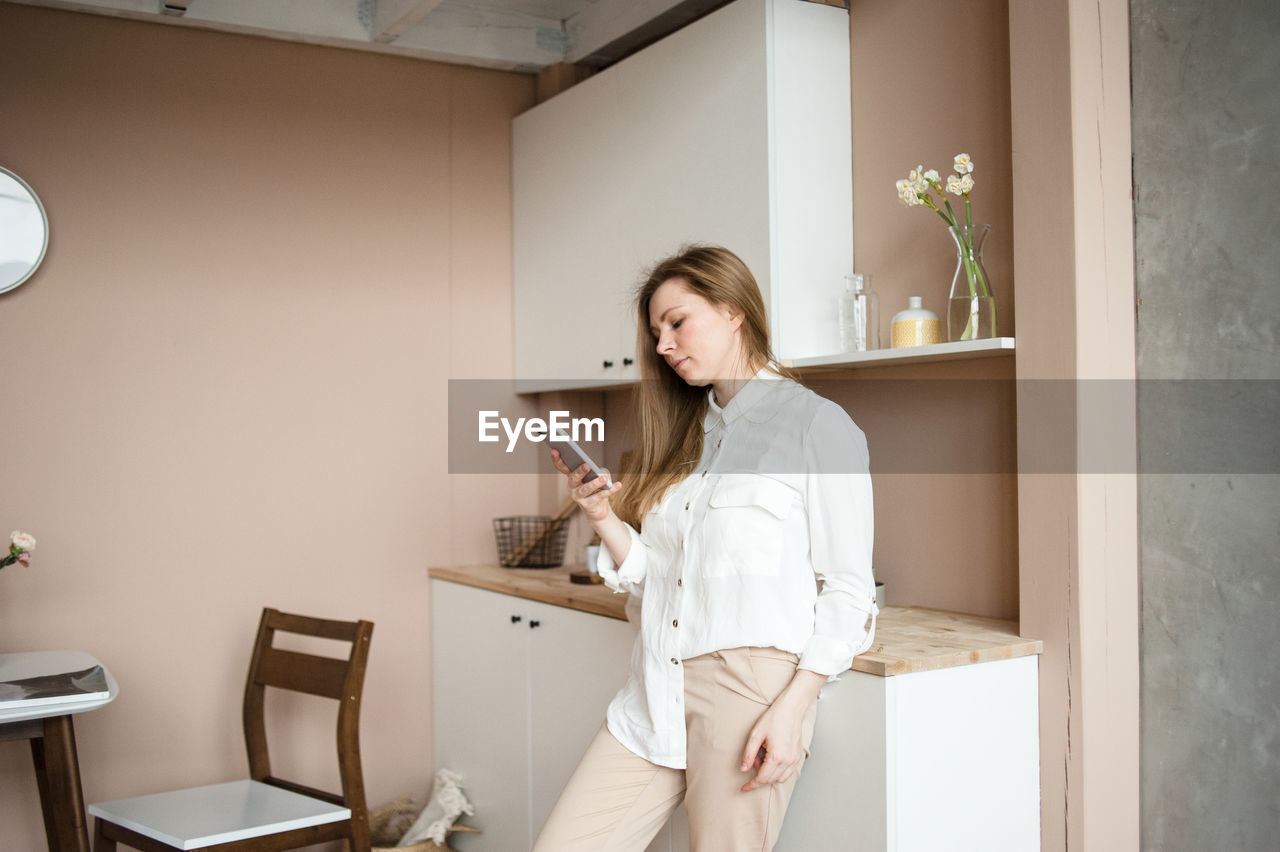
column 629, row 576
column 841, row 534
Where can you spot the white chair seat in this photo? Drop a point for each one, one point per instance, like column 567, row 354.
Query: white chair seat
column 204, row 816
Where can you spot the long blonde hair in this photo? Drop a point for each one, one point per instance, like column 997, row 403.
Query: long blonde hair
column 668, row 411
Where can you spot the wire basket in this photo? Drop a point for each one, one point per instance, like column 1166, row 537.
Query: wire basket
column 512, row 534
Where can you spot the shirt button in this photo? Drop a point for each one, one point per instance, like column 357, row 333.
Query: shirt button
column 675, row 622
column 686, row 506
column 680, row 581
column 674, row 661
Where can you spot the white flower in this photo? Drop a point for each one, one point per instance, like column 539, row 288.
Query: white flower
column 22, row 541
column 909, row 195
column 931, row 176
column 966, row 184
column 919, row 179
column 953, row 184
column 964, row 165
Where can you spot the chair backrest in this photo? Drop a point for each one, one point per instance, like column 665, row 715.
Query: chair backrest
column 341, row 680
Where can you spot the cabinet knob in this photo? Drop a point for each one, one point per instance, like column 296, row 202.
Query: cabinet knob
column 516, row 619
column 534, row 623
column 627, row 362
column 608, row 364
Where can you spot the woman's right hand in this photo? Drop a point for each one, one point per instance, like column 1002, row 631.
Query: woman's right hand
column 593, row 497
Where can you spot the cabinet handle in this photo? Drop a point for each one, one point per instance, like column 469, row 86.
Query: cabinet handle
column 515, row 619
column 627, row 362
column 608, row 364
column 534, row 623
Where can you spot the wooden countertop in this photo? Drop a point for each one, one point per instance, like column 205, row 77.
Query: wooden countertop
column 549, row 585
column 908, row 638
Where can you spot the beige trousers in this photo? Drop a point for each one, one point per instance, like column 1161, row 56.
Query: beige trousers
column 616, row 801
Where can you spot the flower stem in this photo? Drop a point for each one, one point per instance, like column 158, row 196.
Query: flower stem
column 954, row 220
column 933, row 205
column 978, row 287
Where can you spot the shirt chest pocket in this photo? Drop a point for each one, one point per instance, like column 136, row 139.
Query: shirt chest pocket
column 744, row 525
column 661, row 535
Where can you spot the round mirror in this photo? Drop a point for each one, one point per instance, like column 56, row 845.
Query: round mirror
column 24, row 231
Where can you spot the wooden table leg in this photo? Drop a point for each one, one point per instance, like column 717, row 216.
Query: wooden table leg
column 46, row 796
column 58, row 778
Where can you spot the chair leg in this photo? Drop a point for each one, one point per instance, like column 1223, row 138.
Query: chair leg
column 102, row 843
column 360, row 840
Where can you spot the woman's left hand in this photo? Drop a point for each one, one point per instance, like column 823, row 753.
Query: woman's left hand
column 775, row 746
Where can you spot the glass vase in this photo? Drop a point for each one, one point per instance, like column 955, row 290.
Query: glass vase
column 971, row 310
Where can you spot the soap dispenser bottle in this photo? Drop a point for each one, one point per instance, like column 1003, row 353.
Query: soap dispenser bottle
column 916, row 326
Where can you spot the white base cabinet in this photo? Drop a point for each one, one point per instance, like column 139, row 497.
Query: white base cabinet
column 520, row 688
column 936, row 761
column 926, row 762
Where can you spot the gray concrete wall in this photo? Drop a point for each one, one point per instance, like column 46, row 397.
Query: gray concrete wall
column 1206, row 140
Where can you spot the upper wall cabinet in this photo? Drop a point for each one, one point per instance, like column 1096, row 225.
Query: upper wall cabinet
column 734, row 130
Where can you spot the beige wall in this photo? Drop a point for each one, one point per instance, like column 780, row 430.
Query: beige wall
column 226, row 386
column 930, row 80
column 943, row 539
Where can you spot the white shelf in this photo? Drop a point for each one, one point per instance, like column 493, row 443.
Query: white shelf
column 993, row 347
column 961, row 350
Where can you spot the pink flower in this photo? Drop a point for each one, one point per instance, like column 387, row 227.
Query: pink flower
column 25, row 558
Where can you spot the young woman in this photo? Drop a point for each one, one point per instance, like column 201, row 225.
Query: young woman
column 746, row 531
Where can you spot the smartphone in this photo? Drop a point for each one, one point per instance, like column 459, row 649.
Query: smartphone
column 573, row 457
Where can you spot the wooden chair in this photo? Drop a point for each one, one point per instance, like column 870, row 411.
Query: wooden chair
column 264, row 813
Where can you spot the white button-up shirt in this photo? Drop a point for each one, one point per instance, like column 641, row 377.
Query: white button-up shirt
column 767, row 543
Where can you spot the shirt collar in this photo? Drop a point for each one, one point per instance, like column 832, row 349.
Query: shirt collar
column 747, row 399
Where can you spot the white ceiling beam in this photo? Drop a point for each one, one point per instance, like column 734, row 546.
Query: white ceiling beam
column 488, row 37
column 606, row 21
column 481, row 35
column 311, row 21
column 113, row 8
column 393, row 18
column 308, row 18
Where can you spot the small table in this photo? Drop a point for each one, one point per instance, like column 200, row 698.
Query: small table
column 53, row 742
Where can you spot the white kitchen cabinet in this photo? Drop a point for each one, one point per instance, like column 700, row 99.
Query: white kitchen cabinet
column 520, row 688
column 734, row 130
column 919, row 761
column 937, row 760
